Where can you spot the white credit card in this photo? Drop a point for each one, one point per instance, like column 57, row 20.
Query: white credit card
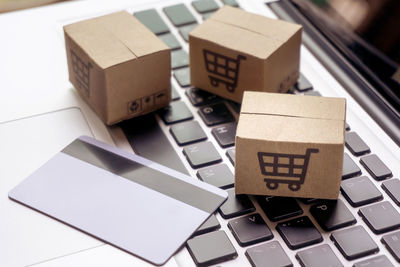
column 135, row 204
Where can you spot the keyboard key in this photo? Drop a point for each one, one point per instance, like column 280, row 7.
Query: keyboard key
column 174, row 93
column 279, row 208
column 187, row 133
column 321, row 255
column 392, row 188
column 354, row 242
column 182, row 76
column 378, row 261
column 206, row 16
column 201, row 154
column 176, row 112
column 303, row 84
column 355, row 144
column 217, row 175
column 235, row 205
column 152, row 20
column 268, row 255
column 225, row 134
column 170, row 40
column 231, row 3
column 215, row 114
column 230, row 153
column 211, row 248
column 210, row 225
column 350, row 169
column 250, row 230
column 380, row 217
column 376, row 167
column 235, row 106
column 179, row 15
column 360, row 191
column 200, row 97
column 313, row 93
column 308, row 200
column 332, row 215
column 179, row 59
column 185, row 30
column 392, row 243
column 299, row 232
column 203, row 6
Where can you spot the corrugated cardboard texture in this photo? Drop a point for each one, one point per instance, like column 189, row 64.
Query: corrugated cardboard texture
column 118, row 66
column 273, row 128
column 253, row 53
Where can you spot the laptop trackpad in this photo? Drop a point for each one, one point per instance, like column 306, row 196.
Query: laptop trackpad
column 28, row 237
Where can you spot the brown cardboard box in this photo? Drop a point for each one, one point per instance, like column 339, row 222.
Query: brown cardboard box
column 236, row 51
column 290, row 145
column 118, row 66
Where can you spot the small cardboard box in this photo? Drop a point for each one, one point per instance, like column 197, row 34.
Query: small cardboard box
column 118, row 66
column 236, row 51
column 290, row 145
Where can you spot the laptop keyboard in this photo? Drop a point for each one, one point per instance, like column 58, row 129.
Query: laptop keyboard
column 250, row 219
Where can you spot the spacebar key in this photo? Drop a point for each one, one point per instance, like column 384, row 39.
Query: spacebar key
column 148, row 140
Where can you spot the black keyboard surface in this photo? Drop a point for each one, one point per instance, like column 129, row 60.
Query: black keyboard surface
column 273, row 231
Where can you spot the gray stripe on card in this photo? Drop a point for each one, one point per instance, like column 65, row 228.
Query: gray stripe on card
column 143, row 175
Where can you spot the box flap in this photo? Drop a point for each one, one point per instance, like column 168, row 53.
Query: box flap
column 290, row 129
column 314, row 107
column 245, row 32
column 271, row 28
column 114, row 38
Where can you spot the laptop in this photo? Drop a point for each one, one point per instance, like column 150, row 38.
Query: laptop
column 41, row 113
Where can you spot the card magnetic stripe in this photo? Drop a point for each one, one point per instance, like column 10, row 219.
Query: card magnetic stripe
column 144, row 175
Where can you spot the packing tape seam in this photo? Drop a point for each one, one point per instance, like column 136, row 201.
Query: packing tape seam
column 249, row 30
column 290, row 116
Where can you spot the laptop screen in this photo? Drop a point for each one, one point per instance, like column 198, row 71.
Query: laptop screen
column 367, row 33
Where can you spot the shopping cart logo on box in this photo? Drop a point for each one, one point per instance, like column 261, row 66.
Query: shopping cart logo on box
column 222, row 69
column 81, row 72
column 288, row 169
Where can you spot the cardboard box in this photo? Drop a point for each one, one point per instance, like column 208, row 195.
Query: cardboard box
column 236, row 51
column 118, row 66
column 290, row 145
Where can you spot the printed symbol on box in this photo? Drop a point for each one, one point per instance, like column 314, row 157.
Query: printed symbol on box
column 148, row 102
column 222, row 69
column 135, row 106
column 81, row 72
column 288, row 169
column 160, row 98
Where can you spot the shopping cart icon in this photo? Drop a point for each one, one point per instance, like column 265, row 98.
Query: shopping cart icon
column 288, row 169
column 81, row 72
column 223, row 69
